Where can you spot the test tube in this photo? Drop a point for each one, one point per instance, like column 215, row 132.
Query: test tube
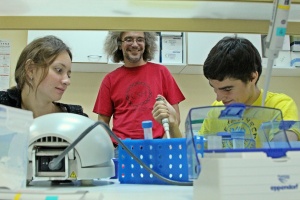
column 214, row 142
column 225, row 138
column 147, row 126
column 238, row 138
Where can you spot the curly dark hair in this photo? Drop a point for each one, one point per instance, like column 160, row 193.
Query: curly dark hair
column 112, row 43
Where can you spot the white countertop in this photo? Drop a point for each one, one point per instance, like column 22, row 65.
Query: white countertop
column 112, row 189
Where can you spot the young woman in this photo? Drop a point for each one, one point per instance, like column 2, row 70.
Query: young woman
column 42, row 76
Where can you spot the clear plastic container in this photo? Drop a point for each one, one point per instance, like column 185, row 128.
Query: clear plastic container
column 14, row 132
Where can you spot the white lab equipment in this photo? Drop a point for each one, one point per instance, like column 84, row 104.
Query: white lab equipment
column 267, row 170
column 275, row 37
column 147, row 127
column 52, row 134
column 165, row 121
column 248, row 176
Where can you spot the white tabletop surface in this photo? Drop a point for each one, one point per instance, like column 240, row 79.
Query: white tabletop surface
column 112, row 189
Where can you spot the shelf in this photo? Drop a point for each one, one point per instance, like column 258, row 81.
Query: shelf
column 105, row 68
column 174, row 68
column 197, row 69
column 183, row 16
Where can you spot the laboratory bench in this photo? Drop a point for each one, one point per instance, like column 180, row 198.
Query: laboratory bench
column 113, row 189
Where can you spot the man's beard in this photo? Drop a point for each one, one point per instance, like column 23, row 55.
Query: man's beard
column 133, row 59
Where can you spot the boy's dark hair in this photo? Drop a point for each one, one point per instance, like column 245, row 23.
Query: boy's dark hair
column 232, row 57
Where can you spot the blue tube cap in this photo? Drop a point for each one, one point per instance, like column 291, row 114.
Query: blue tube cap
column 147, row 124
column 224, row 134
column 237, row 134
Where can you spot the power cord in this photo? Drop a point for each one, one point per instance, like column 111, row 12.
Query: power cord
column 55, row 163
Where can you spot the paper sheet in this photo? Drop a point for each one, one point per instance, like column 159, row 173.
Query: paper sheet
column 4, row 64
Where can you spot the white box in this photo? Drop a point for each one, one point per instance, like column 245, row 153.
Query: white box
column 286, row 46
column 156, row 58
column 295, row 43
column 171, row 56
column 295, row 59
column 14, row 135
column 171, row 49
column 295, row 46
column 171, row 43
column 165, row 33
column 248, row 176
column 282, row 61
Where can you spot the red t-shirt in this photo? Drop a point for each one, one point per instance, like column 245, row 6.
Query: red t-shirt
column 128, row 94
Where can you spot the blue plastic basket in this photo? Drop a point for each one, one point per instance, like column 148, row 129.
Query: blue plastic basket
column 167, row 157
